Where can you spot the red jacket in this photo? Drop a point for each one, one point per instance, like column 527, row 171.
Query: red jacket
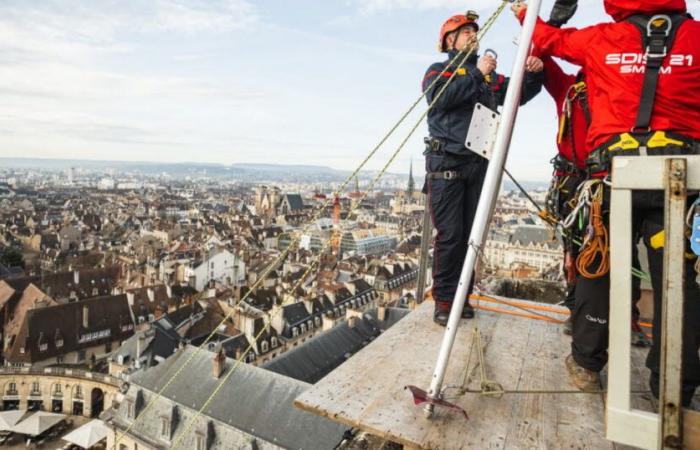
column 573, row 141
column 610, row 55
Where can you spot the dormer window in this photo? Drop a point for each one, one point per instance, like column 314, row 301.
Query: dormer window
column 130, row 410
column 310, row 324
column 303, row 328
column 317, row 320
column 274, row 342
column 41, row 342
column 295, row 333
column 264, row 347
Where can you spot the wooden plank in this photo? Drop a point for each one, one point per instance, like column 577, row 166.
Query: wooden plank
column 367, row 392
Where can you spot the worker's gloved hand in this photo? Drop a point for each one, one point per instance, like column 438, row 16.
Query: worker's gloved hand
column 486, row 64
column 562, row 11
column 534, row 64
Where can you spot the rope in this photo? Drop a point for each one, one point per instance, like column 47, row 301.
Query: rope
column 595, row 245
column 327, row 203
column 223, row 381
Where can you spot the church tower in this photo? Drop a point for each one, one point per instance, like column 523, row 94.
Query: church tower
column 411, row 183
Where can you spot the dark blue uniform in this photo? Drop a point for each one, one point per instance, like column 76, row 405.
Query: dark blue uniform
column 453, row 202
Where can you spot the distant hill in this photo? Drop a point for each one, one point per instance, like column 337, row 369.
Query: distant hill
column 252, row 172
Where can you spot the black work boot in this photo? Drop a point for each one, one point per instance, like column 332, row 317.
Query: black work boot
column 442, row 313
column 468, row 311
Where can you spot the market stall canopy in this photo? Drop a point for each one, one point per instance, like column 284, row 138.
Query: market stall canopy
column 88, row 435
column 9, row 419
column 37, row 423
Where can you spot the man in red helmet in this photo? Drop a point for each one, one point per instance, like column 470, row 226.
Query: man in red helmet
column 454, row 174
column 643, row 74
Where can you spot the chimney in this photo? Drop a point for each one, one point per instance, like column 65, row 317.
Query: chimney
column 381, row 313
column 86, row 317
column 219, row 362
column 149, row 293
column 140, row 344
column 169, row 290
column 76, row 277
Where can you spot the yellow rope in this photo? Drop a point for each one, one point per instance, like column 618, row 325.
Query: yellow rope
column 293, row 243
column 369, row 189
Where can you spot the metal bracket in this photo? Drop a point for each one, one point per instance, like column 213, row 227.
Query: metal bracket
column 626, row 424
column 671, row 426
column 420, row 397
column 482, row 131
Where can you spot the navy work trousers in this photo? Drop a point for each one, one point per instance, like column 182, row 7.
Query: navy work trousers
column 591, row 314
column 453, row 205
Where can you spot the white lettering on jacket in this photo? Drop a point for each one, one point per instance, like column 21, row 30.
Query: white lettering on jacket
column 636, row 62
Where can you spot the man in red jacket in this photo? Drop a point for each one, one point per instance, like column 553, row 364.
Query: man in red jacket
column 635, row 114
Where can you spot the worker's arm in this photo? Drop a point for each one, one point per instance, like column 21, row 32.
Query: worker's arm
column 569, row 44
column 461, row 89
column 532, row 84
column 556, row 82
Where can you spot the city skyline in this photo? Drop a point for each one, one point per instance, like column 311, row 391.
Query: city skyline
column 238, row 81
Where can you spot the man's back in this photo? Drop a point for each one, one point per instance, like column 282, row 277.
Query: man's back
column 613, row 57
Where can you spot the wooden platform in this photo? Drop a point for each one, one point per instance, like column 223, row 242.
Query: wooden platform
column 367, row 392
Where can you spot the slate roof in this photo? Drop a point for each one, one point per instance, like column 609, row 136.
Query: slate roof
column 295, row 202
column 537, row 235
column 317, row 357
column 253, row 404
column 49, row 325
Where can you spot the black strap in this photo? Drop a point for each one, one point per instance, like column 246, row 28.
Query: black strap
column 448, row 175
column 658, row 35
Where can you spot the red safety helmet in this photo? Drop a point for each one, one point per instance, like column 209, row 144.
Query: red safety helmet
column 454, row 23
column 622, row 9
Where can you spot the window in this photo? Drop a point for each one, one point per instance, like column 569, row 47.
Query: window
column 165, row 427
column 200, row 443
column 295, row 332
column 274, row 342
column 35, row 387
column 317, row 320
column 57, row 389
column 130, row 411
column 264, row 346
column 81, row 355
column 78, row 391
column 303, row 328
column 123, row 447
column 11, row 388
column 59, row 342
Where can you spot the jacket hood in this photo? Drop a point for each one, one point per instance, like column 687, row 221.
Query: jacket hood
column 621, row 9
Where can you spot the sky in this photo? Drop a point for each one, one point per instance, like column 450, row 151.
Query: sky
column 240, row 81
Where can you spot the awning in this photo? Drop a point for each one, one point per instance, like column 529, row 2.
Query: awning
column 88, row 435
column 9, row 419
column 37, row 423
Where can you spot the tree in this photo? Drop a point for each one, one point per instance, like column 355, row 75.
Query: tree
column 11, row 257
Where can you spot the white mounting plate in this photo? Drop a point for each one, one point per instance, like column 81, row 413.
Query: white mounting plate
column 482, row 131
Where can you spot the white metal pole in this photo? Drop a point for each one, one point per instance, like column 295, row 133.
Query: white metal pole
column 487, row 200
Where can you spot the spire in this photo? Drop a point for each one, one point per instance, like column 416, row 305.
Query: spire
column 357, row 183
column 411, row 183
